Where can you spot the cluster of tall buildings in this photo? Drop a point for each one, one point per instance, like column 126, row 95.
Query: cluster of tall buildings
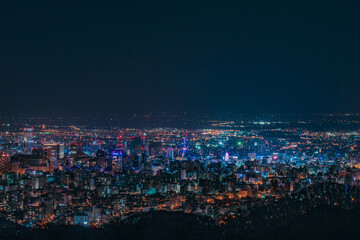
column 94, row 176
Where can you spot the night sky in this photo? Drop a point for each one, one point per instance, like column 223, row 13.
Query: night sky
column 210, row 56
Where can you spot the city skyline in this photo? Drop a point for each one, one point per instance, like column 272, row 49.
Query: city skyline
column 179, row 120
column 221, row 179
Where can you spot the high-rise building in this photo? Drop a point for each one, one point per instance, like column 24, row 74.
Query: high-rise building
column 58, row 147
column 39, row 153
column 183, row 174
column 227, row 157
column 116, row 162
column 137, row 145
column 4, row 160
column 155, row 148
column 170, row 153
column 76, row 148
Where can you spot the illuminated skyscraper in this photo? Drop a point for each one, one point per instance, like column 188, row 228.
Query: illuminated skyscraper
column 170, row 153
column 27, row 142
column 116, row 162
column 227, row 157
column 59, row 148
column 184, row 148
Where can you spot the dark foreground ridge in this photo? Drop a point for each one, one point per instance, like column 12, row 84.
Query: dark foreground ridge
column 323, row 222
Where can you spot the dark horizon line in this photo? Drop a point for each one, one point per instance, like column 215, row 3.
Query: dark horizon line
column 195, row 113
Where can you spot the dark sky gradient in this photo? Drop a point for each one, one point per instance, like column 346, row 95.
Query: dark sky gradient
column 212, row 56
